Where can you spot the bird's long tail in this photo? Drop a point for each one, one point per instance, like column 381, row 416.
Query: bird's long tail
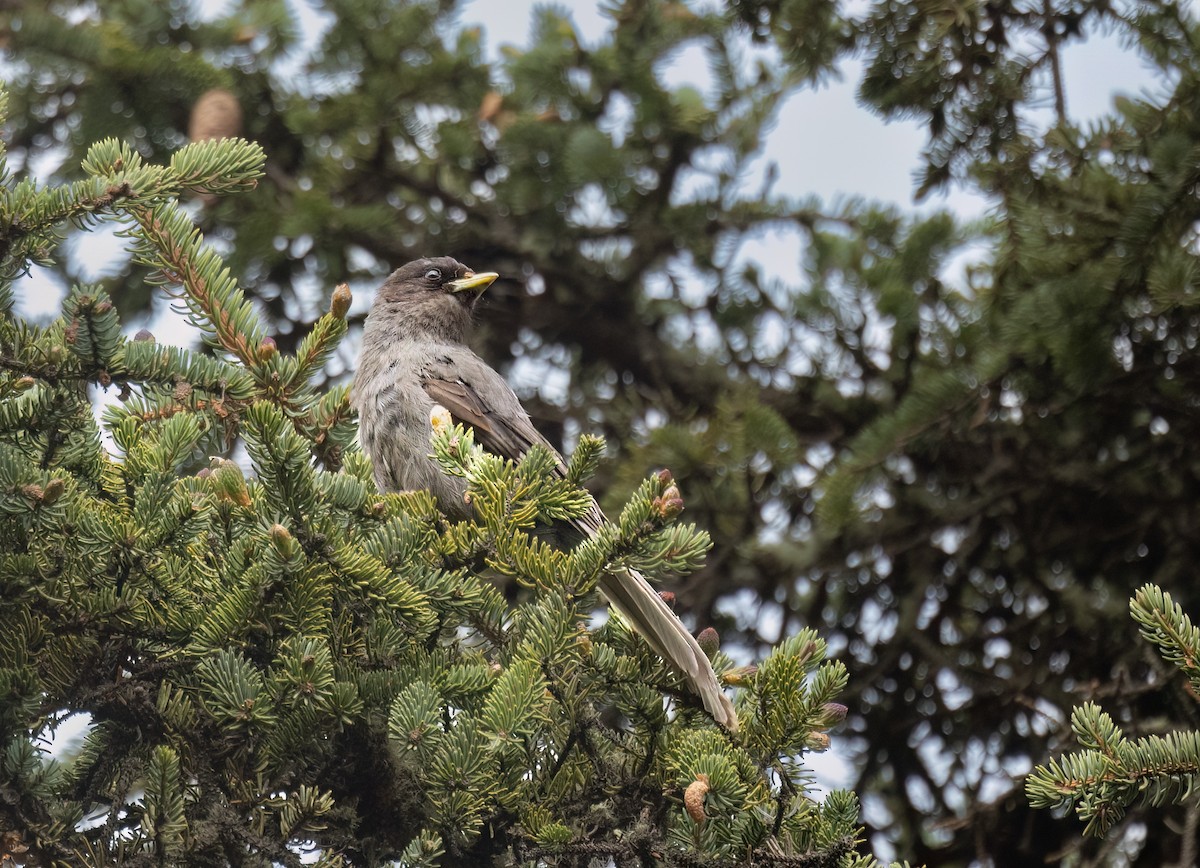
column 650, row 616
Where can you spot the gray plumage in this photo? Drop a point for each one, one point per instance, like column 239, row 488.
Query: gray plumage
column 414, row 356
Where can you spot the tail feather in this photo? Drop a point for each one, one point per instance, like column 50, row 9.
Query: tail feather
column 651, row 617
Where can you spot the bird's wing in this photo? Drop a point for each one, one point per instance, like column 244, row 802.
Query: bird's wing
column 476, row 395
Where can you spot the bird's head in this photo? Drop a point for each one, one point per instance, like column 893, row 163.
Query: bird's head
column 432, row 296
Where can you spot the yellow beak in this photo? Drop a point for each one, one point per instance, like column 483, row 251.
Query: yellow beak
column 472, row 282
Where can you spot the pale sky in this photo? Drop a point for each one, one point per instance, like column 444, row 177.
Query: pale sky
column 823, row 143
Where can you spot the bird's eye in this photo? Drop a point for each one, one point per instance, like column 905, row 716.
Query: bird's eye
column 433, row 275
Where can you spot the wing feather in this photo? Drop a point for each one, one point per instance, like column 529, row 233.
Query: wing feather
column 476, row 395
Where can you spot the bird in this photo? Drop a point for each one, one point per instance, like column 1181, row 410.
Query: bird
column 415, row 360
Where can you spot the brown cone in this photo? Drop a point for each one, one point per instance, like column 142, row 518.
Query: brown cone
column 216, row 115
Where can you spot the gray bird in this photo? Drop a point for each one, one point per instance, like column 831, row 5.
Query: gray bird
column 414, row 357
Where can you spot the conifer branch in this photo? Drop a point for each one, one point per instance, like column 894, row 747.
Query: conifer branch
column 1113, row 771
column 277, row 656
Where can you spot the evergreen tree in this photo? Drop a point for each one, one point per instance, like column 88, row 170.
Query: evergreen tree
column 1112, row 771
column 288, row 667
column 958, row 484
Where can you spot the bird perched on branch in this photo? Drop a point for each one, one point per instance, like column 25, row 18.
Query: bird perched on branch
column 414, row 357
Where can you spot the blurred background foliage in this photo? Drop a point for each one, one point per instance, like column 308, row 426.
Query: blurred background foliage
column 958, row 481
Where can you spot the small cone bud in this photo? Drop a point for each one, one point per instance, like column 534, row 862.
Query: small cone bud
column 817, row 741
column 670, row 503
column 52, row 492
column 835, row 712
column 664, row 476
column 490, row 105
column 23, row 383
column 282, row 540
column 229, row 482
column 144, row 335
column 267, row 350
column 668, row 597
column 339, row 302
column 693, row 798
column 709, row 641
column 216, row 115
